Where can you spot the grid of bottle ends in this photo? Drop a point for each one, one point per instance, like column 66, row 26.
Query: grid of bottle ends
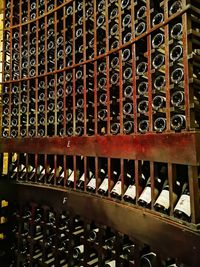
column 157, row 186
column 41, row 235
column 99, row 67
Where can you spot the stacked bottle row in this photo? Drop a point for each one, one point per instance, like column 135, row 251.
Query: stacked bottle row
column 142, row 183
column 42, row 236
column 128, row 88
column 4, row 230
column 28, row 10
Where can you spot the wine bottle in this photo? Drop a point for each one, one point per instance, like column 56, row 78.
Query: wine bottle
column 160, row 124
column 40, row 172
column 143, row 126
column 111, row 263
column 158, row 102
column 128, row 108
column 125, row 3
column 5, row 111
column 173, row 264
column 141, row 12
column 14, row 122
column 117, row 190
column 102, row 82
column 177, row 98
column 93, row 235
column 71, row 177
column 69, row 10
column 145, row 198
column 175, row 7
column 140, row 28
column 157, row 19
column 176, row 31
column 158, row 61
column 21, row 171
column 78, row 252
column 159, row 82
column 115, row 128
column 157, row 40
column 103, row 99
column 128, row 127
column 26, row 213
column 182, row 209
column 178, row 122
column 176, row 52
column 91, row 186
column 177, row 75
column 148, row 259
column 114, row 79
column 128, row 251
column 142, row 88
column 13, row 133
column 103, row 188
column 143, row 106
column 162, row 203
column 141, row 68
column 126, row 20
column 41, row 109
column 127, row 74
column 59, row 174
column 100, row 21
column 130, row 193
column 23, row 132
column 102, row 114
column 102, row 67
column 110, row 241
column 113, row 13
column 127, row 38
column 79, row 130
column 80, row 183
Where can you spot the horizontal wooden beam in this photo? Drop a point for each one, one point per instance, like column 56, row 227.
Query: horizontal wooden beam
column 183, row 148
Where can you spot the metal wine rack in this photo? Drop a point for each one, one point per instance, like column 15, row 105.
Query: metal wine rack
column 108, row 81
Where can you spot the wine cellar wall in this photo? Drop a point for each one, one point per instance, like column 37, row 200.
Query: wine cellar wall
column 100, row 107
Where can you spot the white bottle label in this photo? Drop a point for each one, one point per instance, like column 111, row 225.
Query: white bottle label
column 146, row 195
column 96, row 230
column 58, row 170
column 131, row 191
column 62, row 174
column 92, row 183
column 23, row 167
column 41, row 169
column 117, row 188
column 71, row 177
column 184, row 205
column 104, row 185
column 80, row 248
column 111, row 263
column 163, row 199
column 31, row 169
column 15, row 170
column 90, row 174
column 82, row 178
